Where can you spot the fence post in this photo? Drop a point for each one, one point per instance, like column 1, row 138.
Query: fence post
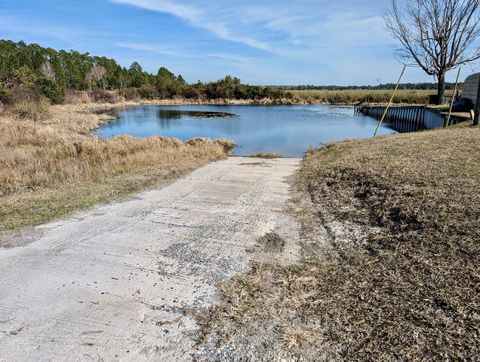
column 391, row 100
column 447, row 122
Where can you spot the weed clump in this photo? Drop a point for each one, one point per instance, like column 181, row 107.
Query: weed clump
column 31, row 109
column 266, row 155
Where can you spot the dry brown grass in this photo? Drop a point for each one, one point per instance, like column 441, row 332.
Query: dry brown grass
column 352, row 96
column 395, row 274
column 113, row 97
column 32, row 110
column 52, row 167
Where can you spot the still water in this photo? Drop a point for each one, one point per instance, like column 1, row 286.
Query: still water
column 287, row 130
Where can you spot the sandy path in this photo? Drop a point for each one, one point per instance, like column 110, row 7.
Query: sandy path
column 111, row 283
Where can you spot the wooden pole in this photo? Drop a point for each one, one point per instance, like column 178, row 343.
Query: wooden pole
column 476, row 118
column 391, row 100
column 447, row 123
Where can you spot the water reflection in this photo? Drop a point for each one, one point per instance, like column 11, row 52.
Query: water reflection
column 287, row 130
column 167, row 114
column 178, row 114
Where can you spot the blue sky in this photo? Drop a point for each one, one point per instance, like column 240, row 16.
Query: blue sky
column 340, row 42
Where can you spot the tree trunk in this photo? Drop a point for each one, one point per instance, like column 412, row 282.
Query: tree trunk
column 441, row 88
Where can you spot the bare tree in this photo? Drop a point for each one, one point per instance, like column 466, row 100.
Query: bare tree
column 437, row 35
column 46, row 70
column 97, row 72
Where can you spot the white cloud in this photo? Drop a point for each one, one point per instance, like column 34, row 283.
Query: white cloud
column 205, row 17
column 165, row 6
column 296, row 30
column 308, row 34
column 161, row 50
column 230, row 57
column 172, row 51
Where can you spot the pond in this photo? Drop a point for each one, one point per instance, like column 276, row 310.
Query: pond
column 286, row 130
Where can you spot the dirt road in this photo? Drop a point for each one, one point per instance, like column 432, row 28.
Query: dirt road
column 113, row 282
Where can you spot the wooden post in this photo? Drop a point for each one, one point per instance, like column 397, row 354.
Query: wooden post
column 476, row 118
column 391, row 100
column 447, row 122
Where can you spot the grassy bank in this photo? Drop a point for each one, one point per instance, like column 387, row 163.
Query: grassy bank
column 115, row 97
column 348, row 96
column 391, row 230
column 53, row 166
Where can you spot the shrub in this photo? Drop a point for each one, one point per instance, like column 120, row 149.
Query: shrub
column 148, row 91
column 101, row 96
column 76, row 97
column 5, row 95
column 22, row 76
column 129, row 94
column 273, row 93
column 23, row 93
column 31, row 109
column 50, row 89
column 168, row 88
column 190, row 92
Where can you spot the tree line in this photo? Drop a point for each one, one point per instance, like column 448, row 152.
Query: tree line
column 386, row 86
column 30, row 70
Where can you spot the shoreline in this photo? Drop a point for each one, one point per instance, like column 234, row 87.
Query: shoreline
column 106, row 111
column 56, row 166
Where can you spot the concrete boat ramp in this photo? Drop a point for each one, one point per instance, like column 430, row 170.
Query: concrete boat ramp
column 112, row 283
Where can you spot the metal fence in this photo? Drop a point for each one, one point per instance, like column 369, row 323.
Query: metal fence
column 407, row 118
